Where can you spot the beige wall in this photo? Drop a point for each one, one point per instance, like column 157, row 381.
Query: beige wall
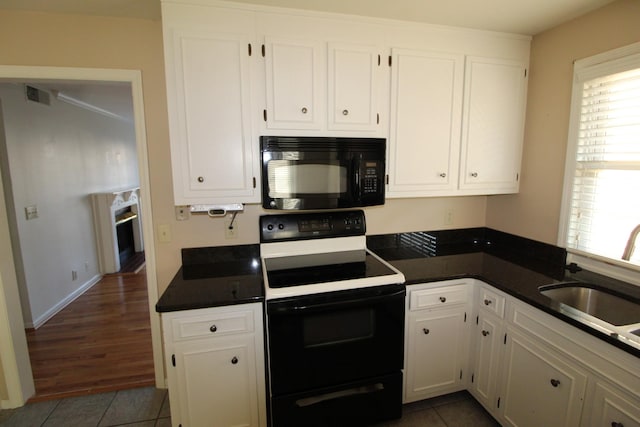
column 70, row 40
column 534, row 212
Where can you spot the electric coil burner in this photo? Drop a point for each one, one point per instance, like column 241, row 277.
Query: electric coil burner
column 335, row 322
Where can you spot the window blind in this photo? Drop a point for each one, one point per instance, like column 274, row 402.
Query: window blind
column 605, row 201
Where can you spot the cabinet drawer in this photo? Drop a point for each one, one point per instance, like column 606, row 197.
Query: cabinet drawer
column 438, row 297
column 491, row 301
column 212, row 325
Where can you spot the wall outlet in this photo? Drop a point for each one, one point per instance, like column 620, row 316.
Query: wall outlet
column 86, row 266
column 74, row 275
column 230, row 233
column 448, row 217
column 164, row 233
column 182, row 213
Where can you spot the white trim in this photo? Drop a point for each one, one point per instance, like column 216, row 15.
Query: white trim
column 9, row 73
column 63, row 303
column 609, row 62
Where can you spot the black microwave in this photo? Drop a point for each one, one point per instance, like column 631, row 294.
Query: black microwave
column 308, row 173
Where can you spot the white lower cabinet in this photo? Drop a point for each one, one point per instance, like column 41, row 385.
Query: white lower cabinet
column 215, row 366
column 611, row 407
column 488, row 352
column 532, row 369
column 437, row 338
column 539, row 388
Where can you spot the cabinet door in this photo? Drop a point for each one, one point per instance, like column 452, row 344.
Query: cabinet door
column 426, row 103
column 612, row 408
column 353, row 87
column 208, row 91
column 539, row 388
column 436, row 353
column 493, row 125
column 488, row 349
column 216, row 382
column 294, row 74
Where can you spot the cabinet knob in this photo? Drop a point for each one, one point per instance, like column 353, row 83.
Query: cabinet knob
column 213, row 328
column 443, row 175
column 616, row 424
column 426, row 331
column 487, row 302
column 485, row 333
column 304, row 110
column 555, row 382
column 474, row 174
column 234, row 360
column 200, row 179
column 443, row 299
column 345, row 112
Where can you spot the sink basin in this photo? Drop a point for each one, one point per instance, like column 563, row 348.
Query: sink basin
column 595, row 301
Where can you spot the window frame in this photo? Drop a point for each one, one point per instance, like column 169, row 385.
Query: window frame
column 610, row 62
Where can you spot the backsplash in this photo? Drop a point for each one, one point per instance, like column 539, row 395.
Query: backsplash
column 540, row 257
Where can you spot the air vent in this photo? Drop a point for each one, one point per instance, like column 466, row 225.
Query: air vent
column 36, row 95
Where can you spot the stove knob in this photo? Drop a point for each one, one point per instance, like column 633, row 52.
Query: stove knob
column 270, row 227
column 280, row 226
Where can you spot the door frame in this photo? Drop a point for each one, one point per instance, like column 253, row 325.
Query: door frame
column 14, row 353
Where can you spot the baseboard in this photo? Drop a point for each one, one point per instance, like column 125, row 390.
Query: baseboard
column 63, row 303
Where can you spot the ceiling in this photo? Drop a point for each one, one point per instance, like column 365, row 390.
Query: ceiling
column 528, row 17
column 517, row 16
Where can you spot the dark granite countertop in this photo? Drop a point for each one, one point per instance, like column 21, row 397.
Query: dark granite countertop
column 227, row 275
column 215, row 276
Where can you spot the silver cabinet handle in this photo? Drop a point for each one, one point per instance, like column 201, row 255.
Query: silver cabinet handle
column 443, row 299
column 213, row 328
column 234, row 360
column 426, row 331
column 474, row 174
column 555, row 382
column 487, row 302
column 485, row 333
column 345, row 112
column 304, row 110
column 200, row 179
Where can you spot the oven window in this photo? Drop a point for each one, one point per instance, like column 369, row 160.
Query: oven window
column 289, row 178
column 338, row 327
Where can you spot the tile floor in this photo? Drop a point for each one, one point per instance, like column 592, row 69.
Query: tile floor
column 149, row 407
column 452, row 410
column 140, row 407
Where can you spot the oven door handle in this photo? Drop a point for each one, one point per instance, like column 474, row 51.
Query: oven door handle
column 276, row 308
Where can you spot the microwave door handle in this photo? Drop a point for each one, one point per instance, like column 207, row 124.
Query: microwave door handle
column 356, row 178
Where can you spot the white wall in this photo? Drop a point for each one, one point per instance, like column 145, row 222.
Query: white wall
column 58, row 155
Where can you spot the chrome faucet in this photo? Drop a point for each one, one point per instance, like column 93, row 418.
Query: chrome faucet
column 631, row 243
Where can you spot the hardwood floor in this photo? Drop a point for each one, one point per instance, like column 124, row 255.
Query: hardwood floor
column 100, row 342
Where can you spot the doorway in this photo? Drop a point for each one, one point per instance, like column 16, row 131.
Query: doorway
column 20, row 386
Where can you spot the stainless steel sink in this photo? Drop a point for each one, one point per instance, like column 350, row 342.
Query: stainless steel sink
column 595, row 301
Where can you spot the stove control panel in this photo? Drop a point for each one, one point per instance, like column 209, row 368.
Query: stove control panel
column 302, row 226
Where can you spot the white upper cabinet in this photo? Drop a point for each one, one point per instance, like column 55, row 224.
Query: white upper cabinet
column 294, row 84
column 426, row 110
column 353, row 87
column 449, row 101
column 208, row 68
column 493, row 125
column 320, row 86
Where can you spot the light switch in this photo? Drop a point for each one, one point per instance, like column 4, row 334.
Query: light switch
column 31, row 212
column 164, row 233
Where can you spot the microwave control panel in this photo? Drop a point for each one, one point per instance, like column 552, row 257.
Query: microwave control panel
column 370, row 177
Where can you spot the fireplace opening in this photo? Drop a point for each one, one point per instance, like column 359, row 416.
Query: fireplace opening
column 124, row 233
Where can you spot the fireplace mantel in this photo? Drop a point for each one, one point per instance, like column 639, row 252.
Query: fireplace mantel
column 105, row 205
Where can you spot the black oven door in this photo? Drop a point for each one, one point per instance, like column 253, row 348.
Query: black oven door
column 334, row 338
